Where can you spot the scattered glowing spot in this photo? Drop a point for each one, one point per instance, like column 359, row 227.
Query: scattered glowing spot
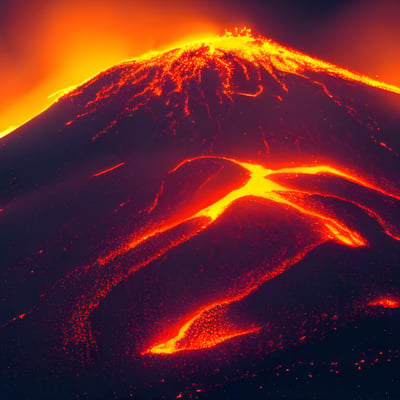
column 20, row 316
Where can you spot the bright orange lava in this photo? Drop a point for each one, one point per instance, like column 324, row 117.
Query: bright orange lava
column 385, row 302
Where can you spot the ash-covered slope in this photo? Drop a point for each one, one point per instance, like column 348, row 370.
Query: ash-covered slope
column 192, row 201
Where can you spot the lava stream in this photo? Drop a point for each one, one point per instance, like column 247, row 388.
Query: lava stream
column 156, row 239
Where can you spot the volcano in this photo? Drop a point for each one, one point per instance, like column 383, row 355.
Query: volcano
column 219, row 219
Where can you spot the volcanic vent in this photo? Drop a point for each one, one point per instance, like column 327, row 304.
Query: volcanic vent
column 189, row 201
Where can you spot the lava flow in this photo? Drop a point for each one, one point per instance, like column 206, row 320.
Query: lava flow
column 230, row 193
column 260, row 184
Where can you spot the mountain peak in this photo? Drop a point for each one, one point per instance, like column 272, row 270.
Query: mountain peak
column 235, row 64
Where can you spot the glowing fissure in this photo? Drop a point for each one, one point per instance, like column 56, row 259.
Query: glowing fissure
column 109, row 169
column 220, row 334
column 256, row 94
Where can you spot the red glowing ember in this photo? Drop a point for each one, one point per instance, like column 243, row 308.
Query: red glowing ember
column 386, row 302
